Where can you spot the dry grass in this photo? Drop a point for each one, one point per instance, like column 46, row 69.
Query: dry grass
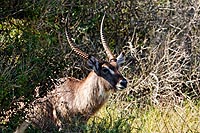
column 151, row 119
column 161, row 41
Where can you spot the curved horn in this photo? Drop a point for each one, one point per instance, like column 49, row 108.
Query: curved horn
column 105, row 45
column 73, row 47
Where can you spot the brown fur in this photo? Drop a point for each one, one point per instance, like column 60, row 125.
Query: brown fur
column 72, row 101
column 75, row 101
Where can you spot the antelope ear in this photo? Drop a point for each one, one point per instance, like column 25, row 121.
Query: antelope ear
column 120, row 59
column 93, row 63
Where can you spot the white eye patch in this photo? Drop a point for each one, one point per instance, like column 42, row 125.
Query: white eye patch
column 111, row 71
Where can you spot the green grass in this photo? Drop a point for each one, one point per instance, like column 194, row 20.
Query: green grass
column 152, row 119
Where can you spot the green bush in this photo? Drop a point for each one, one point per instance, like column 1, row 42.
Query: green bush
column 160, row 38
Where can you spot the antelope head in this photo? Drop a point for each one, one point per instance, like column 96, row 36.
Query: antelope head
column 75, row 98
column 108, row 70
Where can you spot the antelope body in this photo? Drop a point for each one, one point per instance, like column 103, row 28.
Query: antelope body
column 76, row 100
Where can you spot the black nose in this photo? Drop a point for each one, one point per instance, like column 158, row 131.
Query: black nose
column 123, row 83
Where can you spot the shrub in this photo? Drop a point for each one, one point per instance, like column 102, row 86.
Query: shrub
column 160, row 38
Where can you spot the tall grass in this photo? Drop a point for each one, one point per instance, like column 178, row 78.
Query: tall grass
column 161, row 42
column 152, row 119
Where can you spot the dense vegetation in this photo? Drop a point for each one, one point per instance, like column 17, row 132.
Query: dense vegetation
column 162, row 45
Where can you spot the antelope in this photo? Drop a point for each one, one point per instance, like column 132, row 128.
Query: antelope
column 77, row 100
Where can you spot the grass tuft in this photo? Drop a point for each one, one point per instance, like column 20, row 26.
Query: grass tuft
column 113, row 118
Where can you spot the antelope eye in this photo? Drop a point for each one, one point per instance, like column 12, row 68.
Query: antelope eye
column 105, row 70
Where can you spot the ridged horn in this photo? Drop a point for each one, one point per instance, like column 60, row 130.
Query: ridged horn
column 103, row 41
column 73, row 47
